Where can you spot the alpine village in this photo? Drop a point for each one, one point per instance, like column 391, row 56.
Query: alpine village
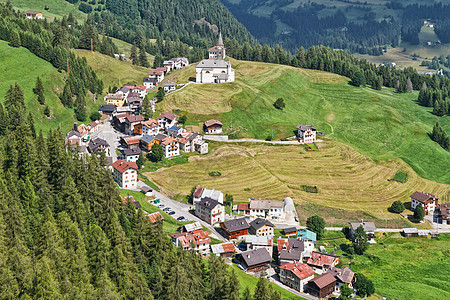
column 224, row 149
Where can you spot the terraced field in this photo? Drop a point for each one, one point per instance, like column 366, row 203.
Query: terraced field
column 345, row 178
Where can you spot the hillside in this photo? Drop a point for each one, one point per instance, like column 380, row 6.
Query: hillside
column 381, row 124
column 56, row 8
column 21, row 66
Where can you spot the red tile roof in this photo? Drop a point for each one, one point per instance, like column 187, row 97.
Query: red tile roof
column 213, row 122
column 135, row 118
column 323, row 280
column 166, row 141
column 422, row 197
column 198, row 192
column 121, row 165
column 283, row 244
column 167, row 115
column 150, row 123
column 320, row 259
column 300, row 270
column 198, row 237
column 126, row 199
column 242, row 206
column 155, row 72
column 156, row 216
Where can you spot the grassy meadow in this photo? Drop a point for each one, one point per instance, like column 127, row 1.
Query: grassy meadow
column 57, row 8
column 382, row 124
column 346, row 179
column 408, row 268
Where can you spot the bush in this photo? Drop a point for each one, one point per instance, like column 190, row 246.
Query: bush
column 358, row 79
column 419, row 213
column 95, row 116
column 215, row 173
column 397, row 207
column 279, row 104
column 269, row 138
column 309, row 189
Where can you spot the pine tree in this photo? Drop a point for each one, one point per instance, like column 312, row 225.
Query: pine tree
column 143, row 61
column 39, row 91
column 262, row 291
column 134, row 55
column 409, row 85
column 47, row 111
column 158, row 62
column 146, row 108
column 157, row 153
column 15, row 39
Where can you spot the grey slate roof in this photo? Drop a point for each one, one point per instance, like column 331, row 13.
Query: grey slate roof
column 302, row 127
column 236, row 224
column 256, row 257
column 128, row 152
column 208, row 203
column 344, row 275
column 260, row 222
column 95, row 144
column 107, row 108
column 368, row 226
column 147, row 138
column 213, row 63
column 290, row 255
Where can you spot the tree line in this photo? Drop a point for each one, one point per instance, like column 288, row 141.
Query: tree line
column 65, row 233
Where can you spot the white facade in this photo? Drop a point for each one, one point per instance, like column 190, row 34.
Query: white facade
column 214, row 71
column 266, row 209
column 127, row 179
column 212, row 214
column 201, row 147
column 306, row 134
column 170, row 148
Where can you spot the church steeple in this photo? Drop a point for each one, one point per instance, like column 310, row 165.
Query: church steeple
column 220, row 41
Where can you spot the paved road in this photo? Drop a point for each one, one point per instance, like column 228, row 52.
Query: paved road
column 112, row 136
column 224, row 139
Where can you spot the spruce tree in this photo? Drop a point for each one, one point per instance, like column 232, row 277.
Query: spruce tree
column 143, row 61
column 39, row 91
column 15, row 39
column 134, row 55
column 146, row 108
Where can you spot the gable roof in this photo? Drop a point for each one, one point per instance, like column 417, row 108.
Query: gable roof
column 300, row 270
column 290, row 255
column 208, row 203
column 213, row 122
column 192, row 226
column 213, row 63
column 150, row 123
column 135, row 118
column 302, row 127
column 265, row 204
column 97, row 143
column 263, row 240
column 156, row 216
column 167, row 141
column 290, row 244
column 321, row 259
column 242, row 206
column 256, row 257
column 168, row 115
column 198, row 192
column 344, row 275
column 121, row 165
column 175, row 128
column 223, row 248
column 33, row 12
column 368, row 226
column 236, row 224
column 421, row 196
column 148, row 138
column 323, row 280
column 289, row 230
column 259, row 222
column 107, row 108
column 128, row 152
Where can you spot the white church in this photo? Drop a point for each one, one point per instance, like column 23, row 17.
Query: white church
column 215, row 69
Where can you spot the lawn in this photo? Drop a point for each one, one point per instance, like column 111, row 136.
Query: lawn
column 408, row 268
column 112, row 71
column 382, row 124
column 347, row 180
column 21, row 66
column 57, row 8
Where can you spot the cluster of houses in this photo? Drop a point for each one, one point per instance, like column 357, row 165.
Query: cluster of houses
column 127, row 98
column 268, row 209
column 430, row 205
column 155, row 76
column 79, row 137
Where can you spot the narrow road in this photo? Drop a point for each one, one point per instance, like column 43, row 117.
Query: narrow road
column 275, row 279
column 224, row 138
column 109, row 134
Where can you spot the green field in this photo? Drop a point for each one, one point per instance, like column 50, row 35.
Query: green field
column 382, row 124
column 408, row 268
column 57, row 8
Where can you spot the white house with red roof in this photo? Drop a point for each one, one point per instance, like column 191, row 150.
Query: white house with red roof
column 34, row 14
column 321, row 262
column 140, row 89
column 150, row 127
column 170, row 147
column 296, row 275
column 166, row 120
column 197, row 240
column 125, row 173
column 213, row 127
column 428, row 201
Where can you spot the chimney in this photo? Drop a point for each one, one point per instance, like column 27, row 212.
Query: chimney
column 75, row 126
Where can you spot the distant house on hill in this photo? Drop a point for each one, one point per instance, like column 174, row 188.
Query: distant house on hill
column 34, row 14
column 213, row 127
column 306, row 133
column 170, row 86
column 428, row 201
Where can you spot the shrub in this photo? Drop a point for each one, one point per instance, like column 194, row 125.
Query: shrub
column 279, row 104
column 419, row 213
column 397, row 207
column 85, row 8
column 358, row 79
column 215, row 173
column 95, row 116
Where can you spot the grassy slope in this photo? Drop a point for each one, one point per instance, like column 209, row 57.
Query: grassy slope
column 110, row 70
column 408, row 268
column 381, row 124
column 21, row 66
column 57, row 8
column 345, row 178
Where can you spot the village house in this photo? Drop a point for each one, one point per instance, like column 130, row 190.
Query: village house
column 169, row 86
column 115, row 99
column 212, row 127
column 130, row 200
column 175, row 131
column 158, row 75
column 150, row 82
column 266, row 208
column 321, row 286
column 107, row 109
column 119, row 120
column 134, row 101
column 33, row 14
column 150, row 127
column 166, row 120
column 170, row 147
column 188, row 140
column 241, row 209
column 287, row 247
column 254, row 260
column 124, row 91
column 296, row 275
column 321, row 262
column 223, row 250
column 444, row 209
column 98, row 145
column 291, row 231
column 369, row 229
column 146, row 190
column 235, row 228
column 131, row 121
column 201, row 147
column 131, row 155
column 289, row 256
column 131, row 142
column 180, row 62
column 155, row 217
column 73, row 137
column 93, row 127
column 215, row 69
column 141, row 90
column 253, row 242
column 190, row 227
column 197, row 240
column 428, row 201
column 343, row 276
column 210, row 211
column 307, row 235
column 306, row 133
column 201, row 193
column 261, row 227
column 162, row 69
column 169, row 64
column 125, row 173
column 147, row 141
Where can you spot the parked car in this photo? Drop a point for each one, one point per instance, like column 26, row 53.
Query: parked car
column 180, row 218
column 171, row 212
column 167, row 209
column 161, row 205
column 185, row 220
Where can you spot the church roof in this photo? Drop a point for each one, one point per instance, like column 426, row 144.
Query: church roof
column 213, row 63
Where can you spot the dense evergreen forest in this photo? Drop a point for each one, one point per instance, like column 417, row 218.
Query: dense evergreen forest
column 311, row 24
column 65, row 234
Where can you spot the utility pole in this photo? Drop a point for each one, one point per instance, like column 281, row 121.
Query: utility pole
column 67, row 66
column 92, row 45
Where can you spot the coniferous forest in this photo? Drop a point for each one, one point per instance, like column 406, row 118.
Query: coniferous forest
column 64, row 232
